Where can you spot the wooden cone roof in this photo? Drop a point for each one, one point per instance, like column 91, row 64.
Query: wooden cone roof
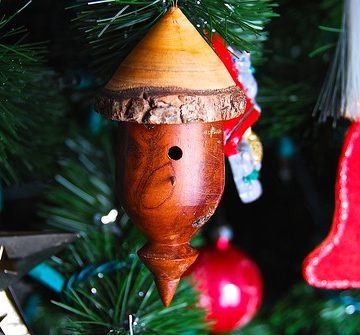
column 172, row 54
column 172, row 61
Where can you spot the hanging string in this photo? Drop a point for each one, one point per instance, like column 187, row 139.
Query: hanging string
column 331, row 99
column 340, row 94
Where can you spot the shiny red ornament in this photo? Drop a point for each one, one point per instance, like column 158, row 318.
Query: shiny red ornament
column 229, row 283
column 335, row 263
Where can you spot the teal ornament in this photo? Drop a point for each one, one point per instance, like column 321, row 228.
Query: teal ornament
column 48, row 276
column 286, row 147
column 95, row 121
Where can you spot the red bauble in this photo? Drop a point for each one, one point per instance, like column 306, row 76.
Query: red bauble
column 230, row 285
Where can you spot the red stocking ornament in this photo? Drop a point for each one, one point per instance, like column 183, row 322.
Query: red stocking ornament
column 335, row 264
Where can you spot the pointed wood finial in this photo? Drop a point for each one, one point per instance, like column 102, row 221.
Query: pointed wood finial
column 168, row 263
column 167, row 289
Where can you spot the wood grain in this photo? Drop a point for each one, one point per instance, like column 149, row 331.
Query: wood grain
column 170, row 179
column 172, row 54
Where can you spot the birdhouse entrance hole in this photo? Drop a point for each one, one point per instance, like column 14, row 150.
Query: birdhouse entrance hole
column 175, row 153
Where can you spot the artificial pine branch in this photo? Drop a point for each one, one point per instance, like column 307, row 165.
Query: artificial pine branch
column 306, row 310
column 112, row 27
column 30, row 107
column 135, row 297
column 83, row 191
column 290, row 80
column 280, row 103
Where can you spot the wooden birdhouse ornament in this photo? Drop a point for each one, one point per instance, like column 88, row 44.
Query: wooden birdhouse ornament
column 170, row 96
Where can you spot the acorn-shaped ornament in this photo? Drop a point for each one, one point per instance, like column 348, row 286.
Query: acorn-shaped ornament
column 171, row 95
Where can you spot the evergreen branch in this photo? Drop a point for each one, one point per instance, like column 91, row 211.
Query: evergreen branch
column 83, row 192
column 30, row 107
column 89, row 318
column 280, row 108
column 113, row 27
column 321, row 49
column 306, row 310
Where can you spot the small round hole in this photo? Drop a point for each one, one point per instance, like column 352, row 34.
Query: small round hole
column 175, row 153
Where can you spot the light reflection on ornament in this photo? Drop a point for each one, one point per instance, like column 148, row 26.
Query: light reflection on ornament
column 111, row 217
column 230, row 295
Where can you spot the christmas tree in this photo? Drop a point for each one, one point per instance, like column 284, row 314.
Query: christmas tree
column 68, row 175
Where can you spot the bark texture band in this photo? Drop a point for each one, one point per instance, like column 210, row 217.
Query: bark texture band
column 153, row 105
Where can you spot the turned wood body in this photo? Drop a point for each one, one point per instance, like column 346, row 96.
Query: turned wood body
column 170, row 179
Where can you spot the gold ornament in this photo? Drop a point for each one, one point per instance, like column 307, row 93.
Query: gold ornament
column 255, row 145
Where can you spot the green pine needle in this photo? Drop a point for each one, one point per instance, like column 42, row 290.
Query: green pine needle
column 112, row 27
column 30, row 107
column 96, row 313
column 83, row 191
column 306, row 310
column 281, row 103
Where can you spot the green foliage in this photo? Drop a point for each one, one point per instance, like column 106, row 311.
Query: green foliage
column 113, row 27
column 83, row 192
column 130, row 292
column 30, row 107
column 305, row 310
column 282, row 109
column 298, row 54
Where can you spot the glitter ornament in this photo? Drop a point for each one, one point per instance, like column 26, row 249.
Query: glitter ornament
column 335, row 263
column 229, row 283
